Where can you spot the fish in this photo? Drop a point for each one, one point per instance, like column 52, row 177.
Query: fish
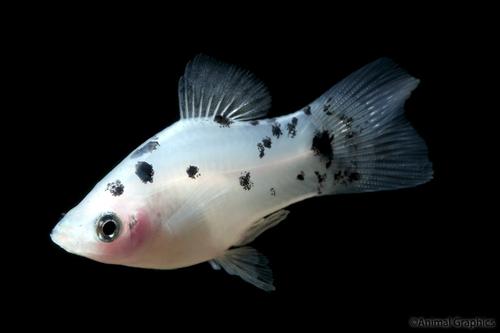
column 204, row 188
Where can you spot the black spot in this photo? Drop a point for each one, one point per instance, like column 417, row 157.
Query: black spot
column 223, row 121
column 350, row 135
column 322, row 146
column 346, row 120
column 192, row 171
column 132, row 224
column 307, row 110
column 346, row 177
column 321, row 177
column 272, row 191
column 277, row 130
column 144, row 171
column 267, row 142
column 147, row 148
column 254, row 122
column 354, row 176
column 116, row 188
column 327, row 106
column 245, row 181
column 321, row 180
column 292, row 127
column 338, row 175
column 261, row 148
column 301, row 175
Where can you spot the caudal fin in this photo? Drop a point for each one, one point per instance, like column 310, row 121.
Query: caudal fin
column 374, row 147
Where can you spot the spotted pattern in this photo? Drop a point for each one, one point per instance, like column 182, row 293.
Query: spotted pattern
column 223, row 121
column 322, row 146
column 144, row 171
column 346, row 177
column 116, row 188
column 276, row 130
column 193, row 172
column 245, row 181
column 292, row 127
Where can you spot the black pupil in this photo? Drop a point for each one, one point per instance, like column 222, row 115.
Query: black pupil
column 109, row 228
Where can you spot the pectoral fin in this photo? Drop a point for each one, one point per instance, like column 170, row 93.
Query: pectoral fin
column 262, row 225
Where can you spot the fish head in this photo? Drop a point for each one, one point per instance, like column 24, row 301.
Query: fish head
column 106, row 228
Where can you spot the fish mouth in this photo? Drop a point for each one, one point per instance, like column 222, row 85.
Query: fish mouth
column 64, row 234
column 70, row 236
column 59, row 238
column 67, row 242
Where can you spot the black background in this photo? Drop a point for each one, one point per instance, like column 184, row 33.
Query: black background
column 96, row 84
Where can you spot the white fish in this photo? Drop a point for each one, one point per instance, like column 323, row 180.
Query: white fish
column 208, row 185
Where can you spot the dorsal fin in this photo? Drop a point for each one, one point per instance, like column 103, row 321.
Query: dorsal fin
column 210, row 88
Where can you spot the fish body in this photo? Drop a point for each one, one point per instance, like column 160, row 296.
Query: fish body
column 209, row 184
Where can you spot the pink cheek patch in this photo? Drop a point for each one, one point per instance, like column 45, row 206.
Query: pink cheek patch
column 139, row 229
column 134, row 232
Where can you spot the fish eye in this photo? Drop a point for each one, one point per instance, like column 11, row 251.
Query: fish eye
column 108, row 227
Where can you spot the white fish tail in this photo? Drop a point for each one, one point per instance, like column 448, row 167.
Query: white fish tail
column 362, row 136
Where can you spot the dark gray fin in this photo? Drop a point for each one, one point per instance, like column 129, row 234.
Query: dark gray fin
column 211, row 89
column 248, row 264
column 373, row 146
column 262, row 225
